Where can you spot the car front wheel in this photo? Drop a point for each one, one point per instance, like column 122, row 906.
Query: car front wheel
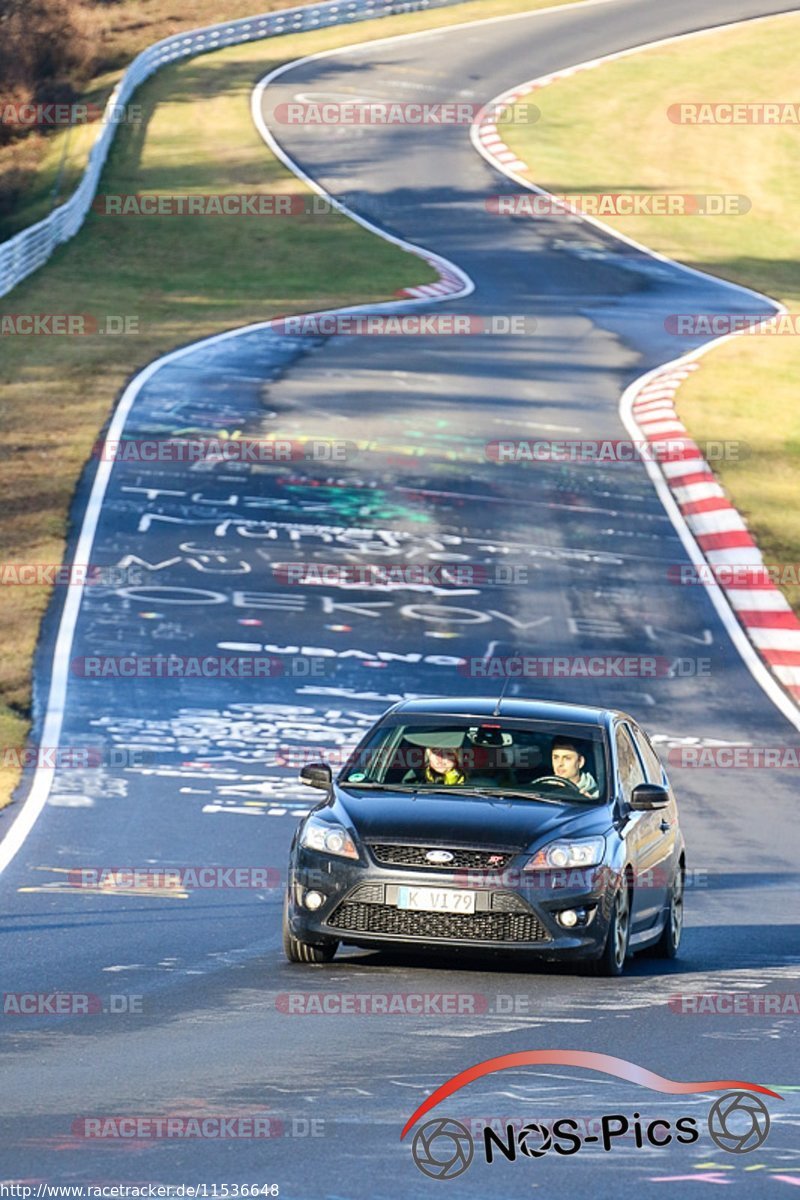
column 611, row 962
column 298, row 951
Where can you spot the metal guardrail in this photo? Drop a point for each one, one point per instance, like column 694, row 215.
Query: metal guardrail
column 24, row 253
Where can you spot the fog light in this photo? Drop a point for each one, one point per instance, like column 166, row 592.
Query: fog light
column 313, row 900
column 571, row 917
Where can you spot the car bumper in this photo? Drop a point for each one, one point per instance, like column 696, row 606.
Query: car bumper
column 360, row 908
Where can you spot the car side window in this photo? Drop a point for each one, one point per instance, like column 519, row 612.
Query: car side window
column 629, row 765
column 655, row 772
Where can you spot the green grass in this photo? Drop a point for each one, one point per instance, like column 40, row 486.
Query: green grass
column 606, row 130
column 181, row 279
column 54, row 163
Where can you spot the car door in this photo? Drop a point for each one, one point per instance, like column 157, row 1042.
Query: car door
column 646, row 838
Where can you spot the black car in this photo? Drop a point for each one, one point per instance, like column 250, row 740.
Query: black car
column 514, row 825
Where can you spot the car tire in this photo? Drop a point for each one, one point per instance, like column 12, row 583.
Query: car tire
column 611, row 962
column 298, row 951
column 668, row 944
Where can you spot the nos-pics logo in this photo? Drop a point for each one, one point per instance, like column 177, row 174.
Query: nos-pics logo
column 443, row 1148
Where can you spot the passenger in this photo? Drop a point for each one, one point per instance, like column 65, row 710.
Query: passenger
column 568, row 763
column 443, row 766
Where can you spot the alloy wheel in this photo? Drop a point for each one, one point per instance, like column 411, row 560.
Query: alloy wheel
column 621, row 926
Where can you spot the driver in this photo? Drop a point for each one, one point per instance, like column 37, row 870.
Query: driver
column 568, row 763
column 443, row 766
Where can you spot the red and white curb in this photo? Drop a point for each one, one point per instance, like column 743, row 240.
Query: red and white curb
column 719, row 529
column 759, row 619
column 484, row 129
column 491, row 141
column 449, row 284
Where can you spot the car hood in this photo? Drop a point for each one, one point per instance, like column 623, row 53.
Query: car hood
column 478, row 821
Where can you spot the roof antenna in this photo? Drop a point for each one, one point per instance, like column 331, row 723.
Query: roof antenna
column 496, row 712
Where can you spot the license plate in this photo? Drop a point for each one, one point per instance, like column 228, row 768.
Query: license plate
column 425, row 899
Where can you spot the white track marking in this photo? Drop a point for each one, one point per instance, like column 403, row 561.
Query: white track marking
column 660, row 383
column 56, row 699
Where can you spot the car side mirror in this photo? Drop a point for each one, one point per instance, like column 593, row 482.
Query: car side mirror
column 317, row 775
column 646, row 797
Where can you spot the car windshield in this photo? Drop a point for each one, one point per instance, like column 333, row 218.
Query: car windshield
column 550, row 760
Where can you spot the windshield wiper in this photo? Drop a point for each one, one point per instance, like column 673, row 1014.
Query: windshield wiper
column 419, row 789
column 520, row 795
column 566, row 798
column 462, row 790
column 488, row 790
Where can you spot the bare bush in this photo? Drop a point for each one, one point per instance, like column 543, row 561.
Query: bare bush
column 46, row 53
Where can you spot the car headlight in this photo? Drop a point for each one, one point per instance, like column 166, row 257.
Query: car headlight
column 329, row 839
column 576, row 852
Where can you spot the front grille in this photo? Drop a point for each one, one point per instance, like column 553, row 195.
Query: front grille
column 495, row 926
column 414, row 856
column 508, row 902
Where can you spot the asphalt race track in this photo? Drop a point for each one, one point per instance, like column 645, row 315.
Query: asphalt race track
column 190, row 776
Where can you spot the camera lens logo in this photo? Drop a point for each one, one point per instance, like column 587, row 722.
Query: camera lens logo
column 535, row 1140
column 738, row 1122
column 442, row 1149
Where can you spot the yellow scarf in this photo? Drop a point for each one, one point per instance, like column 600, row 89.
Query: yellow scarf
column 452, row 776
